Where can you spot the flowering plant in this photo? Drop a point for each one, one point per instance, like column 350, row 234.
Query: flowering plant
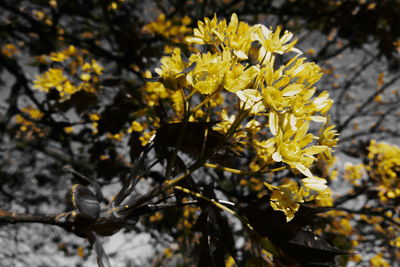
column 253, row 81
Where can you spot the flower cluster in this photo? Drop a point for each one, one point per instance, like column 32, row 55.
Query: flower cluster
column 75, row 72
column 28, row 118
column 174, row 29
column 384, row 167
column 236, row 62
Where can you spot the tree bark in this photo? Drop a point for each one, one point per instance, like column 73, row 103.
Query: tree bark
column 13, row 217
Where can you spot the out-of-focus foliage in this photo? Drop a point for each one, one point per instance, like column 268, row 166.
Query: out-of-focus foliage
column 89, row 83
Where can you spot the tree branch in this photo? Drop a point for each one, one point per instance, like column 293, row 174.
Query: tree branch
column 13, row 217
column 369, row 212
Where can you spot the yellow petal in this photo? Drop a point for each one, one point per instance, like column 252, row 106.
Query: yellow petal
column 318, row 119
column 273, row 122
column 240, row 54
column 194, row 40
column 302, row 131
column 303, row 169
column 270, row 186
column 85, row 77
column 292, row 89
column 277, row 157
column 234, row 21
column 314, row 150
column 315, row 183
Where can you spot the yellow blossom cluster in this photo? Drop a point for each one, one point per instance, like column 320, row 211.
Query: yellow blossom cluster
column 115, row 4
column 28, row 119
column 384, row 169
column 9, row 50
column 378, row 260
column 234, row 77
column 73, row 71
column 286, row 198
column 327, row 137
column 354, row 173
column 174, row 29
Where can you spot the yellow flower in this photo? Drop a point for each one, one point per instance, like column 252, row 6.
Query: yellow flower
column 68, row 130
column 74, row 74
column 315, row 183
column 177, row 102
column 238, row 78
column 396, row 242
column 171, row 69
column 274, row 99
column 307, row 73
column 209, row 72
column 94, row 117
column 135, row 127
column 93, row 67
column 322, row 103
column 9, row 50
column 252, row 100
column 174, row 29
column 328, row 136
column 168, row 252
column 378, row 261
column 207, row 31
column 324, row 198
column 268, row 76
column 64, row 54
column 226, row 122
column 282, row 94
column 80, row 252
column 27, row 124
column 33, row 113
column 290, row 148
column 53, row 78
column 272, row 42
column 85, row 77
column 353, row 173
column 235, row 36
column 384, row 167
column 286, row 198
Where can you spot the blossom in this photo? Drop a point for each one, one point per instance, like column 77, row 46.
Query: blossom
column 239, row 78
column 209, row 72
column 272, row 42
column 328, row 137
column 324, row 198
column 235, row 36
column 384, row 160
column 315, row 183
column 26, row 124
column 252, row 100
column 274, row 98
column 307, row 73
column 72, row 74
column 174, row 29
column 205, row 31
column 49, row 79
column 286, row 198
column 93, row 66
column 378, row 260
column 64, row 54
column 171, row 71
column 291, row 149
column 9, row 50
column 322, row 103
column 239, row 60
